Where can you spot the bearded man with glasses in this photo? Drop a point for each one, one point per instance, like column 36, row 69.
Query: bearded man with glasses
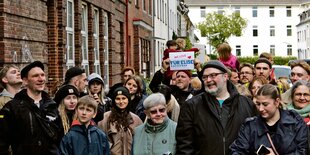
column 209, row 122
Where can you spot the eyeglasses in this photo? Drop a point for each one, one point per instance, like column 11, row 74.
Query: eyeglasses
column 302, row 94
column 212, row 76
column 155, row 111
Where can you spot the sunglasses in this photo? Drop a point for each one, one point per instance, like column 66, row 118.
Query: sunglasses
column 155, row 111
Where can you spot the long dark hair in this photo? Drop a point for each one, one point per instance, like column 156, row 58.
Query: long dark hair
column 121, row 117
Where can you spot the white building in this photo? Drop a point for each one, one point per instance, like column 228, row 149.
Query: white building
column 271, row 25
column 170, row 16
column 303, row 33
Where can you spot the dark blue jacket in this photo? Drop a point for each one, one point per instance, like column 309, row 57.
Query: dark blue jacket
column 81, row 141
column 290, row 138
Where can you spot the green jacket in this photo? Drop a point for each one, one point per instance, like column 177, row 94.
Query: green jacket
column 155, row 140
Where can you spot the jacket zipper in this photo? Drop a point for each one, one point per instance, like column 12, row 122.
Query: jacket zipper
column 31, row 123
column 224, row 139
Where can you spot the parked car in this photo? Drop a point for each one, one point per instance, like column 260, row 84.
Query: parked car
column 282, row 71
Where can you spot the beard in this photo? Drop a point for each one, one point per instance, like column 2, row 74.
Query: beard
column 213, row 91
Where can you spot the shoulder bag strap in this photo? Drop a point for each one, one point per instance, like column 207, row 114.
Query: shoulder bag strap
column 273, row 148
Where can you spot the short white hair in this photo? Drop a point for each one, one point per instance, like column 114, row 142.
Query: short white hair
column 153, row 100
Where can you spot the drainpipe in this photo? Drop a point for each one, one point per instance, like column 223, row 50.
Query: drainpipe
column 127, row 36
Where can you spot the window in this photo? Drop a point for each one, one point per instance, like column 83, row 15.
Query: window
column 143, row 5
column 150, row 7
column 238, row 50
column 289, row 30
column 70, row 36
column 272, row 31
column 137, row 3
column 255, row 50
column 254, row 11
column 288, row 11
column 237, row 9
column 272, row 50
column 84, row 33
column 255, row 31
column 158, row 9
column 106, row 49
column 202, row 11
column 289, row 49
column 271, row 11
column 220, row 10
column 96, row 42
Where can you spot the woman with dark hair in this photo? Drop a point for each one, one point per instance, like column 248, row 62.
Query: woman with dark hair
column 280, row 131
column 135, row 86
column 119, row 123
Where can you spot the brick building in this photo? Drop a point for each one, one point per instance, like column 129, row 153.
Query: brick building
column 89, row 33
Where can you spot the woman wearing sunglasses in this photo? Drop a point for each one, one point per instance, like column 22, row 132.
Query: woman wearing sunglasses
column 157, row 134
column 281, row 131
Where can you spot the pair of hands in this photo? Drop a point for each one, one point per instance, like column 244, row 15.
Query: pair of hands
column 197, row 64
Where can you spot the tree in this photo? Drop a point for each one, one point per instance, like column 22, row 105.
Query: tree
column 218, row 28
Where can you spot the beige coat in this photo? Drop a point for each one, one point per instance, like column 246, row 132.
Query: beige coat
column 120, row 141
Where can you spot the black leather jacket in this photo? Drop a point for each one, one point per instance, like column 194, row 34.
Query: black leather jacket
column 206, row 128
column 28, row 128
column 291, row 136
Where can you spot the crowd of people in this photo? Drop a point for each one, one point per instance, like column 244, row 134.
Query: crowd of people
column 223, row 107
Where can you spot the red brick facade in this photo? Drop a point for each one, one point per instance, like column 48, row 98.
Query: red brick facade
column 39, row 26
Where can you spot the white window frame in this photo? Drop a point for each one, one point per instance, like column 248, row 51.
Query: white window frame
column 84, row 32
column 272, row 31
column 238, row 50
column 237, row 10
column 289, row 30
column 96, row 42
column 106, row 76
column 254, row 11
column 288, row 11
column 70, row 32
column 202, row 11
column 289, row 50
column 271, row 11
column 272, row 50
column 255, row 50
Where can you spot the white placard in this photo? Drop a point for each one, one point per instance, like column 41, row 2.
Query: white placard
column 181, row 60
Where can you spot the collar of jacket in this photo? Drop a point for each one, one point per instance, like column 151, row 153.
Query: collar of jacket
column 156, row 128
column 284, row 120
column 6, row 93
column 77, row 123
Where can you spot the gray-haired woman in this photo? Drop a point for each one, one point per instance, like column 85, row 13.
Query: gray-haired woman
column 157, row 134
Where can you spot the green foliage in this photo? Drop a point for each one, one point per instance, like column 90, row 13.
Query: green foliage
column 188, row 45
column 277, row 60
column 212, row 56
column 174, row 36
column 218, row 28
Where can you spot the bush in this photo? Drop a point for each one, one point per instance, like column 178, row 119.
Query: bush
column 278, row 60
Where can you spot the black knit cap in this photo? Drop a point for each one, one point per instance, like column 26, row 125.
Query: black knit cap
column 263, row 60
column 26, row 69
column 121, row 91
column 215, row 64
column 65, row 91
column 72, row 72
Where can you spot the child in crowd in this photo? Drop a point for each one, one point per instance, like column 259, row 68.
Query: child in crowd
column 226, row 57
column 84, row 137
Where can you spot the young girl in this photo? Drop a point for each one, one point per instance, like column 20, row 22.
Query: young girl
column 96, row 90
column 225, row 56
column 66, row 97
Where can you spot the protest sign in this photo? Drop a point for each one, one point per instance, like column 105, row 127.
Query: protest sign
column 181, row 60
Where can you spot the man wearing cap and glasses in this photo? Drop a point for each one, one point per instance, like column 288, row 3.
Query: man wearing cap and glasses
column 209, row 122
column 30, row 122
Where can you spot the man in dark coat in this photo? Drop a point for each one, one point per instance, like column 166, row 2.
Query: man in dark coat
column 209, row 122
column 30, row 121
